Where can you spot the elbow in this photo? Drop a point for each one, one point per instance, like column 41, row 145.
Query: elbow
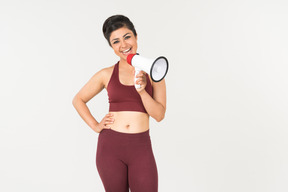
column 160, row 118
column 161, row 115
column 76, row 100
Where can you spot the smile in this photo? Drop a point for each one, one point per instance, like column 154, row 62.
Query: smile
column 126, row 51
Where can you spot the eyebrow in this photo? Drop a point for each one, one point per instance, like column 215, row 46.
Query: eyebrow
column 123, row 36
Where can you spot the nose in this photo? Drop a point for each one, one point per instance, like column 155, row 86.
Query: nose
column 123, row 44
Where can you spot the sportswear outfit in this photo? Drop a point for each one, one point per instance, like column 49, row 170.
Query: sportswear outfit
column 126, row 160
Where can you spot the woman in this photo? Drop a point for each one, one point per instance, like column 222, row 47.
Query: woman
column 124, row 156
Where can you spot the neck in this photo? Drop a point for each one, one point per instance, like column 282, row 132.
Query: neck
column 124, row 65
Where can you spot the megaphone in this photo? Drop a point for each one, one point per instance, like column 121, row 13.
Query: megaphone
column 156, row 68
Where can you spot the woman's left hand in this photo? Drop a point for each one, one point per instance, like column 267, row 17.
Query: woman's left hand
column 141, row 80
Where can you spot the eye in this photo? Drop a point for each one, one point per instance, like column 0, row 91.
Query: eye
column 127, row 37
column 115, row 42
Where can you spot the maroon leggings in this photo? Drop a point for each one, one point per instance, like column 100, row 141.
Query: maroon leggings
column 126, row 160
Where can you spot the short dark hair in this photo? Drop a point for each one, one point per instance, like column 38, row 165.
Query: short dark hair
column 116, row 22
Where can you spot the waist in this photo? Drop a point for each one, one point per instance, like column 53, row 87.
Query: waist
column 130, row 122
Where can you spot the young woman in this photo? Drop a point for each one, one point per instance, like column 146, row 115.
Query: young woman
column 124, row 156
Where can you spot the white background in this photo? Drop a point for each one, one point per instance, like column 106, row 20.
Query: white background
column 226, row 123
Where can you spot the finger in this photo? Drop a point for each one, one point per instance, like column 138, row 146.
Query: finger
column 140, row 82
column 109, row 115
column 106, row 126
column 140, row 75
column 109, row 120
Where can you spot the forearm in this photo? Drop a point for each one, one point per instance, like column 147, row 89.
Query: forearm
column 85, row 113
column 153, row 108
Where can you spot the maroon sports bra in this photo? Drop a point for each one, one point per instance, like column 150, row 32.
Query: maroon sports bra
column 125, row 97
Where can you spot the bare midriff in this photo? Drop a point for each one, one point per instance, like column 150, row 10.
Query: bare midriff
column 130, row 122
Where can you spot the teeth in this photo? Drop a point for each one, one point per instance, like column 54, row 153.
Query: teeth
column 125, row 51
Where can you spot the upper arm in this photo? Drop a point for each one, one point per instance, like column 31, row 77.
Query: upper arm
column 94, row 86
column 159, row 92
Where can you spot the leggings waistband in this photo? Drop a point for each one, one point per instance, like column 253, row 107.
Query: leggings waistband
column 112, row 132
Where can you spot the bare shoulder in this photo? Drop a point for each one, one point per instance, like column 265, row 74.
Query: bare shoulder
column 102, row 73
column 105, row 74
column 95, row 85
column 106, row 71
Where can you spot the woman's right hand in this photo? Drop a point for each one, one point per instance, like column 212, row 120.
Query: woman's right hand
column 105, row 122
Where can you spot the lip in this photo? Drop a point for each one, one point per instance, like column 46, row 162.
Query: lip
column 128, row 52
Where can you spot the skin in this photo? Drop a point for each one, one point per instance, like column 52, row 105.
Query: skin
column 123, row 42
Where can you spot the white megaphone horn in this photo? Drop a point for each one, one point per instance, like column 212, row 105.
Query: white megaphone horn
column 156, row 68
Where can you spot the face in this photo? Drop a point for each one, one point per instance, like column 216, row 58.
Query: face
column 123, row 42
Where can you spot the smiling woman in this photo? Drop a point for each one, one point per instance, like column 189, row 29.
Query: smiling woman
column 124, row 157
column 123, row 45
column 116, row 22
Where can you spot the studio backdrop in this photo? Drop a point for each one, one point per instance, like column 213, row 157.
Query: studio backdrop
column 225, row 128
